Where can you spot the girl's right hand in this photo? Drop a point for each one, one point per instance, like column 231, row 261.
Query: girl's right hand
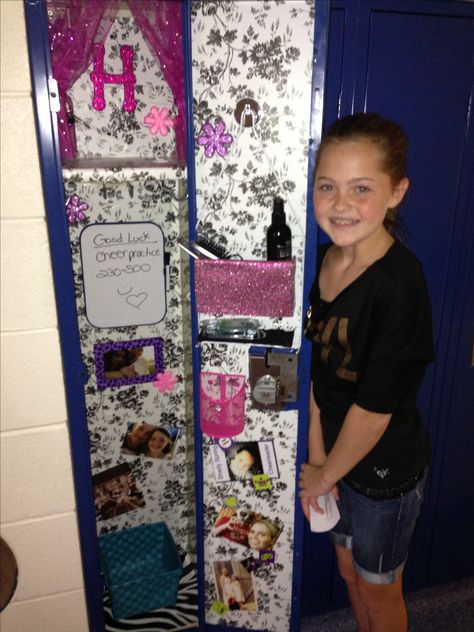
column 306, row 502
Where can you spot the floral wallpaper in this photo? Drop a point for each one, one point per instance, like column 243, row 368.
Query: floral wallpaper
column 128, row 196
column 258, row 50
column 119, row 206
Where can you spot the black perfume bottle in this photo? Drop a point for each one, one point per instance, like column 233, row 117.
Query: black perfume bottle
column 278, row 234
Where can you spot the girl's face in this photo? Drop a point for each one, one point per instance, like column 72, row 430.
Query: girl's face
column 138, row 435
column 158, row 441
column 118, row 358
column 243, row 462
column 352, row 193
column 259, row 536
column 135, row 353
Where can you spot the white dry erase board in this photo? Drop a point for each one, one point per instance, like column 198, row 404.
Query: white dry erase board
column 123, row 268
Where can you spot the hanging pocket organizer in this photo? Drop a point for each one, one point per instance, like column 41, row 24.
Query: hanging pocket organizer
column 222, row 404
column 245, row 288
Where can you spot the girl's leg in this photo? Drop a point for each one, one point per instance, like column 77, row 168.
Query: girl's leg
column 347, row 572
column 384, row 604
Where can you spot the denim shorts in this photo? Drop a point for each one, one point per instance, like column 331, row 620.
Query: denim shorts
column 378, row 531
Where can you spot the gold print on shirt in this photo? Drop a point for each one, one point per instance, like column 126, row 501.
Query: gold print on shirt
column 326, row 336
column 323, row 336
column 342, row 372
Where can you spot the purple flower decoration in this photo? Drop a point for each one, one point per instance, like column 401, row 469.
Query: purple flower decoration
column 75, row 208
column 214, row 139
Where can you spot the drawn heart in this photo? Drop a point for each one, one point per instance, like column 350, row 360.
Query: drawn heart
column 135, row 300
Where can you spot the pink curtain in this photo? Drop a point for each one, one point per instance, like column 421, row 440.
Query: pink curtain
column 161, row 23
column 74, row 27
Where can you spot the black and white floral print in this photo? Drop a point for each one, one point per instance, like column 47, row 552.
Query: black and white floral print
column 129, row 195
column 263, row 51
column 260, row 50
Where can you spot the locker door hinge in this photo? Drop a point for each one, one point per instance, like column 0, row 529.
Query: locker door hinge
column 53, row 90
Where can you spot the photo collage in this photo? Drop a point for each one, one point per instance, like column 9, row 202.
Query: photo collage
column 238, row 523
column 118, row 364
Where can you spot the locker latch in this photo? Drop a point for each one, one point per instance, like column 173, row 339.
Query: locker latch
column 273, row 377
column 54, row 104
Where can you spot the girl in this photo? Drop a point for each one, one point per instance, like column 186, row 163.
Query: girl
column 241, row 465
column 159, row 444
column 370, row 323
column 225, row 581
column 136, row 438
column 121, row 363
column 262, row 535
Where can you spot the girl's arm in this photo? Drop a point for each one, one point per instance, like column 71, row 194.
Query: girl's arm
column 112, row 375
column 360, row 432
column 316, row 451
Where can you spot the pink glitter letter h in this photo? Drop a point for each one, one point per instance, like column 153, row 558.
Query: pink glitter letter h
column 127, row 78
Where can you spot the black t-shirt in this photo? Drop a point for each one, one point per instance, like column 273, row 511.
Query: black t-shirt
column 371, row 345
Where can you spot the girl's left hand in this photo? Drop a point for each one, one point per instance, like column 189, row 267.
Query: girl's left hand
column 311, row 487
column 305, row 504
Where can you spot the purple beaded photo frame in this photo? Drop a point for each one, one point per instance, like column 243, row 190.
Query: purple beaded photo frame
column 128, row 361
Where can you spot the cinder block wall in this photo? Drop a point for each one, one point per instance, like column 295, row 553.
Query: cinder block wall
column 38, row 517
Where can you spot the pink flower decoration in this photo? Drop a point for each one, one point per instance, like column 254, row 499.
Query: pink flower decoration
column 214, row 139
column 165, row 381
column 75, row 208
column 159, row 121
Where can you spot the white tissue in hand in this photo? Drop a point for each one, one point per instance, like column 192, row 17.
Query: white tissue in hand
column 330, row 517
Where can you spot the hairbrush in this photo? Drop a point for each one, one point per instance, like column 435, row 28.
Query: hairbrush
column 203, row 248
column 209, row 248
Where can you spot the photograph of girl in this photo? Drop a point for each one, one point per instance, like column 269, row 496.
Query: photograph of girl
column 244, row 461
column 116, row 492
column 160, row 444
column 150, row 441
column 247, row 528
column 123, row 363
column 234, row 586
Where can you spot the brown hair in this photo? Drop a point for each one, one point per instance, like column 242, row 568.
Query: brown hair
column 385, row 134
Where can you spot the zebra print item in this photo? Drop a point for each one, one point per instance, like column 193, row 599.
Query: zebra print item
column 183, row 616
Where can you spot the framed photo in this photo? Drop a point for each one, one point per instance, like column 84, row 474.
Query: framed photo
column 149, row 441
column 128, row 361
column 243, row 461
column 116, row 492
column 234, row 586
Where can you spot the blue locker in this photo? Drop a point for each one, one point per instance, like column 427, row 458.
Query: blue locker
column 413, row 62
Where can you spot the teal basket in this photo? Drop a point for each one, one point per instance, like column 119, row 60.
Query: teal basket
column 141, row 569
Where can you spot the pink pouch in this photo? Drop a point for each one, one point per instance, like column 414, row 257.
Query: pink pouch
column 245, row 288
column 222, row 404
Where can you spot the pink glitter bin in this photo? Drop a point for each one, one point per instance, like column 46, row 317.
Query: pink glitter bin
column 222, row 404
column 245, row 288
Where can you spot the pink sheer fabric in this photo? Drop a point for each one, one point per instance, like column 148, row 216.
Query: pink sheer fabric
column 74, row 27
column 161, row 23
